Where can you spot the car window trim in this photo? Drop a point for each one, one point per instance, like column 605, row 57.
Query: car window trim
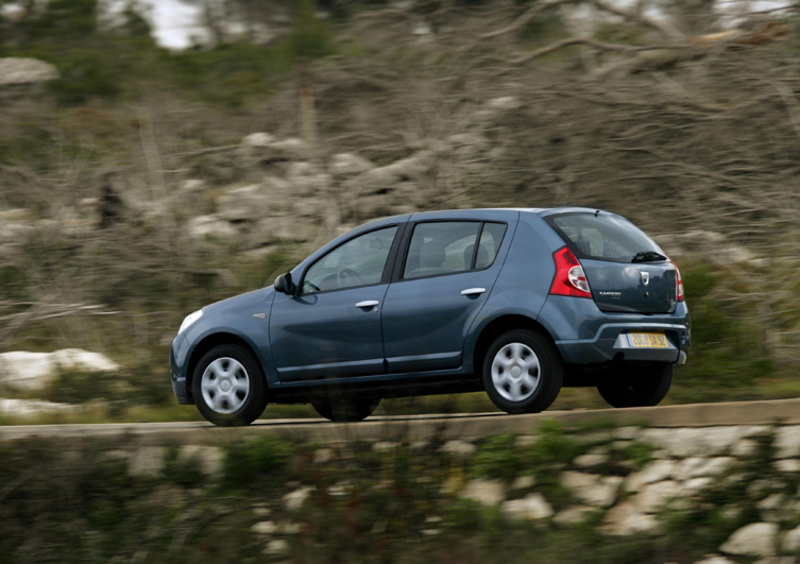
column 409, row 232
column 385, row 275
column 550, row 220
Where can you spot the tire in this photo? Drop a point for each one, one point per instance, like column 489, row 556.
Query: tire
column 229, row 386
column 523, row 372
column 345, row 410
column 642, row 386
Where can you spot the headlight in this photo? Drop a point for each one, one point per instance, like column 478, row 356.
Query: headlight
column 191, row 318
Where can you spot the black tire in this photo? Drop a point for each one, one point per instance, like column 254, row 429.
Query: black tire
column 636, row 386
column 345, row 410
column 254, row 401
column 550, row 373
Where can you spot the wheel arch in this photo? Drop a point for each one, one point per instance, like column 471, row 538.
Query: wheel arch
column 208, row 343
column 499, row 326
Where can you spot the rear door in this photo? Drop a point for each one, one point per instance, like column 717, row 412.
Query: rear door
column 626, row 270
column 444, row 279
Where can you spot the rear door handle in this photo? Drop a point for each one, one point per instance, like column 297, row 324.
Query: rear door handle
column 473, row 291
column 367, row 303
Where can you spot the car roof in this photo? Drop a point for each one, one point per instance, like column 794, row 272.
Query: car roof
column 492, row 211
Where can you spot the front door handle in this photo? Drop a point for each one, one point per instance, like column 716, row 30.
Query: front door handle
column 473, row 291
column 367, row 303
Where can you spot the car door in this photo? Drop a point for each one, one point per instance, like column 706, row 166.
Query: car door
column 447, row 273
column 332, row 326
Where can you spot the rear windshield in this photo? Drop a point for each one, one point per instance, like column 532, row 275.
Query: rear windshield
column 602, row 236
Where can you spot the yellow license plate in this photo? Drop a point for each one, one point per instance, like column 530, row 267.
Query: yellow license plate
column 648, row 341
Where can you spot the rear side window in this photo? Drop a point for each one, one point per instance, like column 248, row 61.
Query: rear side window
column 491, row 237
column 602, row 236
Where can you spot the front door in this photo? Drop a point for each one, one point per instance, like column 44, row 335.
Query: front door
column 447, row 275
column 332, row 326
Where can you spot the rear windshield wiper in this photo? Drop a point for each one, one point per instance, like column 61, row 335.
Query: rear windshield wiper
column 648, row 256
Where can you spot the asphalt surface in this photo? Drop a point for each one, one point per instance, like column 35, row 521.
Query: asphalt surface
column 465, row 426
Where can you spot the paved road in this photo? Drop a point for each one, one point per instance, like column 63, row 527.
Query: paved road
column 466, row 426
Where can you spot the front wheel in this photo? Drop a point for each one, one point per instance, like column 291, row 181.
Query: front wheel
column 345, row 410
column 522, row 372
column 642, row 386
column 229, row 387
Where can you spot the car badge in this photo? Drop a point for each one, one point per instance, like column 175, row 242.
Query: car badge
column 645, row 278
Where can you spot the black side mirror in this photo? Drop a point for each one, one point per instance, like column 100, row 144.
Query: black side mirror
column 284, row 284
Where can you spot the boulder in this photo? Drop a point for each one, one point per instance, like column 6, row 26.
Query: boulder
column 485, row 492
column 33, row 371
column 460, row 448
column 791, row 541
column 756, row 539
column 787, row 441
column 652, row 497
column 531, row 507
column 264, row 528
column 523, row 483
column 348, row 164
column 592, row 489
column 628, row 519
column 17, row 71
column 259, row 139
column 770, row 508
column 147, row 461
column 208, row 459
column 294, row 500
column 204, row 226
column 248, row 203
column 383, row 178
column 573, row 515
column 656, row 471
column 590, row 460
column 788, row 465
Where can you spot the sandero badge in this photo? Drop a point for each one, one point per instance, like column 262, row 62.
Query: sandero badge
column 516, row 302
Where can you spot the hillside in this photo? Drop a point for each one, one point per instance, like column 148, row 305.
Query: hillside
column 146, row 183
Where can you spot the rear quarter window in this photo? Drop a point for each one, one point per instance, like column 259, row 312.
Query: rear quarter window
column 601, row 236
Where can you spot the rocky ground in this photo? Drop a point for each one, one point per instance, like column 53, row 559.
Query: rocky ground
column 630, row 494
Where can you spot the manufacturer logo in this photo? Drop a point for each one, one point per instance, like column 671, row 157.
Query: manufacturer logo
column 645, row 278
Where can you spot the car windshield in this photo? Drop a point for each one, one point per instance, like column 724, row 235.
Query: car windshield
column 602, row 236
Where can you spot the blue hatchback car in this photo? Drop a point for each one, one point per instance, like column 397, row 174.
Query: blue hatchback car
column 516, row 302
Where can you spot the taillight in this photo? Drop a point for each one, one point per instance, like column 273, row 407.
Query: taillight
column 678, row 282
column 570, row 280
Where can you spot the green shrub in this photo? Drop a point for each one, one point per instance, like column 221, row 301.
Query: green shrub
column 262, row 461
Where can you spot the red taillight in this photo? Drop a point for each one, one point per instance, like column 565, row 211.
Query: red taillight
column 678, row 282
column 570, row 280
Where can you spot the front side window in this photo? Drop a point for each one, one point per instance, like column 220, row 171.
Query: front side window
column 441, row 248
column 603, row 236
column 359, row 262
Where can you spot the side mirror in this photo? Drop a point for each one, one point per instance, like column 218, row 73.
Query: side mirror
column 284, row 284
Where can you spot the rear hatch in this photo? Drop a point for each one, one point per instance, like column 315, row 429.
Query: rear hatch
column 626, row 270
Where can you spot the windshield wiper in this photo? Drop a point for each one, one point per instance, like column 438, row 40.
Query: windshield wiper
column 648, row 256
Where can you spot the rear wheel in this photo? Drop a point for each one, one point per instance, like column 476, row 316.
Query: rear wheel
column 522, row 372
column 345, row 410
column 639, row 386
column 229, row 387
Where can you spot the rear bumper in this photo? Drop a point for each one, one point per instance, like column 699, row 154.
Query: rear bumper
column 611, row 343
column 586, row 335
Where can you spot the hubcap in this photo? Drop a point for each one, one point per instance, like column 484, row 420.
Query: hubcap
column 516, row 372
column 225, row 385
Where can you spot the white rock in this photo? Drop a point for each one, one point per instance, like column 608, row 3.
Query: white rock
column 13, row 12
column 531, row 507
column 323, row 455
column 525, row 441
column 787, row 441
column 18, row 71
column 652, row 497
column 295, row 500
column 203, row 226
column 590, row 460
column 744, row 448
column 791, row 541
column 713, row 467
column 289, row 149
column 188, row 185
column 261, row 510
column 627, row 519
column 383, row 446
column 247, row 203
column 276, row 546
column 147, row 461
column 686, row 468
column 788, row 465
column 770, row 507
column 592, row 489
column 260, row 139
column 715, row 559
column 654, row 472
column 504, row 103
column 264, row 528
column 485, row 492
column 756, row 539
column 460, row 448
column 209, row 459
column 348, row 164
column 28, row 408
column 34, row 371
column 573, row 515
column 523, row 482
column 689, row 441
column 695, row 485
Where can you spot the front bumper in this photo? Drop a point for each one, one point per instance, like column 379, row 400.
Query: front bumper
column 178, row 358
